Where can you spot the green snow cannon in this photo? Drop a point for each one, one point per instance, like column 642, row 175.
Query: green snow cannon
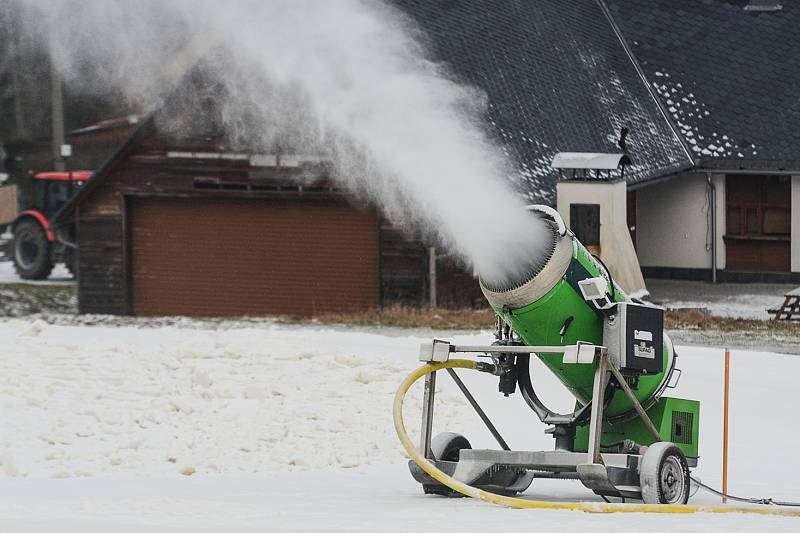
column 623, row 438
column 569, row 296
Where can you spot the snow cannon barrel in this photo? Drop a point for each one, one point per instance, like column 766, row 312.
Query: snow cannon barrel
column 545, row 307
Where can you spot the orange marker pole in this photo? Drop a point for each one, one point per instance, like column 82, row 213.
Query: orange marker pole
column 725, row 426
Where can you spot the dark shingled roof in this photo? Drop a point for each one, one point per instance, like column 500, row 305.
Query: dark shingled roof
column 558, row 78
column 729, row 76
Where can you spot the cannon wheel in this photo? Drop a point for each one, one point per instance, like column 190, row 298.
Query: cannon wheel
column 447, row 447
column 664, row 475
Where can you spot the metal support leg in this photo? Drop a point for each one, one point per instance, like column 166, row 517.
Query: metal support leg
column 594, row 474
column 481, row 412
column 596, row 417
column 427, row 416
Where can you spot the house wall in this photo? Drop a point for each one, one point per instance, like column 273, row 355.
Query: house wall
column 796, row 223
column 616, row 248
column 673, row 225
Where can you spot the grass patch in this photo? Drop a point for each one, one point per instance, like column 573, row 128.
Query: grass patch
column 484, row 319
column 674, row 319
column 59, row 301
column 410, row 317
column 703, row 320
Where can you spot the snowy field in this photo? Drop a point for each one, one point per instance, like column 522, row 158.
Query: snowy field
column 731, row 300
column 288, row 428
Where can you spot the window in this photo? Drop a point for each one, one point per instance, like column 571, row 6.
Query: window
column 40, row 195
column 758, row 206
column 758, row 223
column 584, row 221
column 57, row 195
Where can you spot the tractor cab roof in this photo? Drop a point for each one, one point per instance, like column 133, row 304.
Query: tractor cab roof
column 76, row 175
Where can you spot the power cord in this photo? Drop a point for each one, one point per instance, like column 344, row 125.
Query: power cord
column 761, row 501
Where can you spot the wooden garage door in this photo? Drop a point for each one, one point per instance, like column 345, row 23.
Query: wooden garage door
column 233, row 257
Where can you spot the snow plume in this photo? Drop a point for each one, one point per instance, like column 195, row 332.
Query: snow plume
column 351, row 79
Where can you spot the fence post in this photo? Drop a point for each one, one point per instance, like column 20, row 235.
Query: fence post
column 432, row 276
column 725, row 426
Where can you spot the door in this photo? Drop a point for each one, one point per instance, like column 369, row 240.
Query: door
column 631, row 216
column 234, row 257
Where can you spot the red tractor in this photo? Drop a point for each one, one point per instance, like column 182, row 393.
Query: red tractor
column 36, row 246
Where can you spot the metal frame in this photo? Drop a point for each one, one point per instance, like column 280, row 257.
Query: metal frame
column 545, row 414
column 481, row 413
column 427, row 415
column 608, row 474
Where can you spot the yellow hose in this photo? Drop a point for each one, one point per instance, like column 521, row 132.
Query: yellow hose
column 519, row 503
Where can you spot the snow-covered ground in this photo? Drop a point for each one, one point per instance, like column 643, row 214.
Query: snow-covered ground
column 60, row 274
column 733, row 300
column 289, row 428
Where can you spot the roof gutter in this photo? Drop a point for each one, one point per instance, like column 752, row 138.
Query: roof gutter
column 758, row 171
column 644, row 79
column 660, row 179
column 701, row 172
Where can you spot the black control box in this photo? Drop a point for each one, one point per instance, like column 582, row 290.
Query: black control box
column 634, row 336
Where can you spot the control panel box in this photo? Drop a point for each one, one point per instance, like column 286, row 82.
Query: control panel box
column 634, row 336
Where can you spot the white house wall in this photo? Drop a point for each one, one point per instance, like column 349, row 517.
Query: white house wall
column 616, row 247
column 672, row 223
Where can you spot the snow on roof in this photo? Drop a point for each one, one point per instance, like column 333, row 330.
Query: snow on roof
column 555, row 78
column 731, row 92
column 590, row 160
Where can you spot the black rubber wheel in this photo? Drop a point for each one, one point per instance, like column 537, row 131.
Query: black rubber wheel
column 664, row 475
column 31, row 251
column 447, row 447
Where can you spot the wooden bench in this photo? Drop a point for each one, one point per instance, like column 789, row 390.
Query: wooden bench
column 790, row 309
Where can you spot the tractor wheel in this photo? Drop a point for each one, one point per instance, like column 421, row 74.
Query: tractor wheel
column 31, row 251
column 664, row 475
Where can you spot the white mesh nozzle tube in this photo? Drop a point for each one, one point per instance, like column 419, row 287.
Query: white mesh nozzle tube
column 536, row 281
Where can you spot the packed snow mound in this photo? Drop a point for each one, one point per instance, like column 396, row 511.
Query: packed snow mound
column 257, row 428
column 103, row 401
column 122, row 402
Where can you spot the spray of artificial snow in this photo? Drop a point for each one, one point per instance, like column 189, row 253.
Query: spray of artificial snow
column 349, row 79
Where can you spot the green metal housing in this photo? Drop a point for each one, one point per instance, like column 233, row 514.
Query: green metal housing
column 541, row 322
column 677, row 421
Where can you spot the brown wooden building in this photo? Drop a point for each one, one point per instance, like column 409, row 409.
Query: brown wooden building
column 182, row 224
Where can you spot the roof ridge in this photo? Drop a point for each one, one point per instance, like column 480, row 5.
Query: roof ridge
column 643, row 77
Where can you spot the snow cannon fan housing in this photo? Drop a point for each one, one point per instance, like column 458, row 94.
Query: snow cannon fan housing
column 527, row 285
column 568, row 296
